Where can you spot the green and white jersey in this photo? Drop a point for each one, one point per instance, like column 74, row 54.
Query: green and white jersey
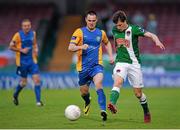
column 127, row 44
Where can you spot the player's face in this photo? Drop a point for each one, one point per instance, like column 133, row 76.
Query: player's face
column 26, row 26
column 91, row 21
column 121, row 25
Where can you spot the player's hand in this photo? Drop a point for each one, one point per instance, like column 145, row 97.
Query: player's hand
column 160, row 45
column 25, row 50
column 111, row 60
column 84, row 46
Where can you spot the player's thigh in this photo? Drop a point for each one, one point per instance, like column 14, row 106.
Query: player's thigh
column 34, row 71
column 135, row 76
column 120, row 73
column 118, row 81
column 97, row 79
column 84, row 78
column 97, row 74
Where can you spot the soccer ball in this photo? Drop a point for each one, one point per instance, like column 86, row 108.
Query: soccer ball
column 72, row 112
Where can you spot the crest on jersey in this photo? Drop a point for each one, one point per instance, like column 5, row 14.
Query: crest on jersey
column 98, row 38
column 141, row 29
column 128, row 33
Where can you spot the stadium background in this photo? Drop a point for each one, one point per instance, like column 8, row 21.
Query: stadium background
column 55, row 21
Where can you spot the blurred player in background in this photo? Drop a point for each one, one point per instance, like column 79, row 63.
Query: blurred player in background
column 128, row 61
column 26, row 48
column 86, row 41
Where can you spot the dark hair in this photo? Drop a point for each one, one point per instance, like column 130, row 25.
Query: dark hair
column 25, row 20
column 119, row 15
column 91, row 12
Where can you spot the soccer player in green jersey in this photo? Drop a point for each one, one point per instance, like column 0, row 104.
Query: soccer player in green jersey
column 127, row 63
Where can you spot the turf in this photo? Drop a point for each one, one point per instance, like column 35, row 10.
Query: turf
column 163, row 102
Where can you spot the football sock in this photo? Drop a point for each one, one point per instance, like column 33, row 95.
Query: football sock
column 37, row 91
column 114, row 95
column 86, row 98
column 18, row 90
column 101, row 99
column 144, row 104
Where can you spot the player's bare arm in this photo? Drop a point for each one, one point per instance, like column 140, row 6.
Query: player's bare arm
column 155, row 39
column 73, row 47
column 109, row 51
column 14, row 48
column 35, row 46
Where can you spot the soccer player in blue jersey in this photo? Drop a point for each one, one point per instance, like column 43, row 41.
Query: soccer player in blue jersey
column 25, row 46
column 86, row 41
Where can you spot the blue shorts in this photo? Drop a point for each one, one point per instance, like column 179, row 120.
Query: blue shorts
column 86, row 75
column 24, row 70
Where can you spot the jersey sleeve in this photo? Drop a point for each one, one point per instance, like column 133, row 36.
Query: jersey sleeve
column 139, row 31
column 76, row 37
column 104, row 37
column 16, row 38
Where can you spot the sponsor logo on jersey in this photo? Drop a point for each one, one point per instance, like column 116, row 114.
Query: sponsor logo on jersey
column 124, row 42
column 73, row 38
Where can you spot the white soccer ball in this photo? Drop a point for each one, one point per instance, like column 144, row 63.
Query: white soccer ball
column 72, row 112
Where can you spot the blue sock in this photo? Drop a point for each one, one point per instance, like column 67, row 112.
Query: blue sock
column 18, row 90
column 37, row 91
column 101, row 99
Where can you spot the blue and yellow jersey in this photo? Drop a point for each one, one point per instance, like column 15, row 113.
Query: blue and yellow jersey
column 93, row 55
column 23, row 40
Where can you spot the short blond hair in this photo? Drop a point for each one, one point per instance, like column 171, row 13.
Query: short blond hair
column 26, row 20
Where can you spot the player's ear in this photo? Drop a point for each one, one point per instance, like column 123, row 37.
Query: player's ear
column 86, row 19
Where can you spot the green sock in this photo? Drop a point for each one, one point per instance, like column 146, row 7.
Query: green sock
column 114, row 97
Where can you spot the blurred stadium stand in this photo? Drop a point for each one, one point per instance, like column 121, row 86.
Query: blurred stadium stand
column 56, row 20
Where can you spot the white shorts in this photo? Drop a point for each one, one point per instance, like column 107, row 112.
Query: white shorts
column 133, row 71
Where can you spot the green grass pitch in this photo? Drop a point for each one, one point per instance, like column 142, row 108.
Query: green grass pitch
column 163, row 102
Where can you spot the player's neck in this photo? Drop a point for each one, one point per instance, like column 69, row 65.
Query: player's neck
column 91, row 30
column 25, row 32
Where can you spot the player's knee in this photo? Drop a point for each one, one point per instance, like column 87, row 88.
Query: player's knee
column 37, row 81
column 23, row 83
column 117, row 83
column 98, row 85
column 138, row 94
column 84, row 90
